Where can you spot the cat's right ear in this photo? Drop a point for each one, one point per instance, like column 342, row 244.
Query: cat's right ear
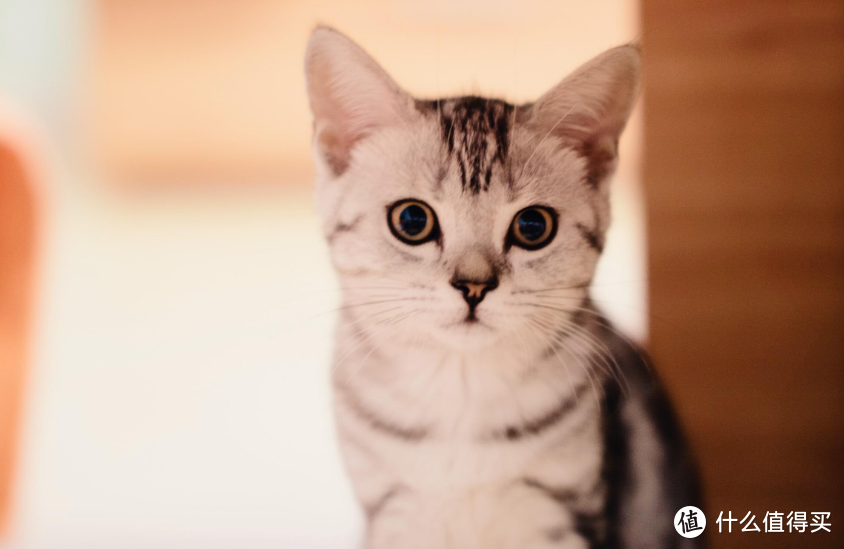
column 350, row 95
column 589, row 108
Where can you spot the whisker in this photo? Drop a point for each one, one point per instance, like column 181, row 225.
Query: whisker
column 547, row 332
column 601, row 319
column 605, row 355
column 588, row 284
column 608, row 303
column 610, row 357
column 369, row 335
column 567, row 326
column 561, row 288
column 352, row 323
column 578, row 359
column 349, row 306
column 589, row 341
column 380, row 342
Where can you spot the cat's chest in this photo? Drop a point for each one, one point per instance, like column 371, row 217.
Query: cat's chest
column 463, row 398
column 445, row 427
column 451, row 398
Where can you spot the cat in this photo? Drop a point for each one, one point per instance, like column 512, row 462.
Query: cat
column 481, row 399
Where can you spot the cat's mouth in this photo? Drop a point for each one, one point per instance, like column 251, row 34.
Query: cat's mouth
column 471, row 320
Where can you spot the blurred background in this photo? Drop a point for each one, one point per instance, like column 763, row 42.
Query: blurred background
column 166, row 301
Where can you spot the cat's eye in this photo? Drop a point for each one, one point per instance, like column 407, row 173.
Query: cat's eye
column 533, row 227
column 412, row 221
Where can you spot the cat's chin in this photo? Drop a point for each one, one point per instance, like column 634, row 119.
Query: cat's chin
column 467, row 335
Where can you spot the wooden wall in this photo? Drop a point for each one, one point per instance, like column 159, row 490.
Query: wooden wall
column 744, row 179
column 17, row 241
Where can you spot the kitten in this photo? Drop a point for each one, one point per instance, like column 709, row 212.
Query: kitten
column 481, row 399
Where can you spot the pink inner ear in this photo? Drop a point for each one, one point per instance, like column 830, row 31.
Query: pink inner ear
column 343, row 128
column 594, row 102
column 351, row 96
column 336, row 150
column 348, row 108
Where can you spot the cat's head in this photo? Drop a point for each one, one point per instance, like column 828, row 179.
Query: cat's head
column 469, row 219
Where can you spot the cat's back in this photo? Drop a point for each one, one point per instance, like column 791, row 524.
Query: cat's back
column 649, row 470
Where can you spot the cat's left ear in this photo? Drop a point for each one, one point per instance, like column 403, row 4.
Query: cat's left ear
column 589, row 108
column 350, row 95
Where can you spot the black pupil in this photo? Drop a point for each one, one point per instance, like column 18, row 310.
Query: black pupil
column 413, row 220
column 532, row 225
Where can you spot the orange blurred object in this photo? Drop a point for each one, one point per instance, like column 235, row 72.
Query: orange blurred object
column 17, row 250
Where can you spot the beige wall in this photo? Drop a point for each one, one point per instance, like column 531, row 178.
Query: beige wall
column 212, row 89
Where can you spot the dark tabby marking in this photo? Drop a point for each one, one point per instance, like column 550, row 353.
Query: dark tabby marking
column 343, row 228
column 557, row 340
column 599, row 161
column 556, row 535
column 545, row 422
column 564, row 497
column 476, row 131
column 592, row 237
column 678, row 465
column 579, row 317
column 409, row 434
column 606, row 529
column 590, row 526
column 583, row 314
column 407, row 256
column 373, row 510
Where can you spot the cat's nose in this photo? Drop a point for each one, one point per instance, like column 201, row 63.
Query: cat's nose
column 474, row 290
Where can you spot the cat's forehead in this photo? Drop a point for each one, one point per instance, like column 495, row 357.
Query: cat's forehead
column 475, row 135
column 477, row 153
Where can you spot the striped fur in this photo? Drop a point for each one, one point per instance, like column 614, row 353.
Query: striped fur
column 527, row 422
